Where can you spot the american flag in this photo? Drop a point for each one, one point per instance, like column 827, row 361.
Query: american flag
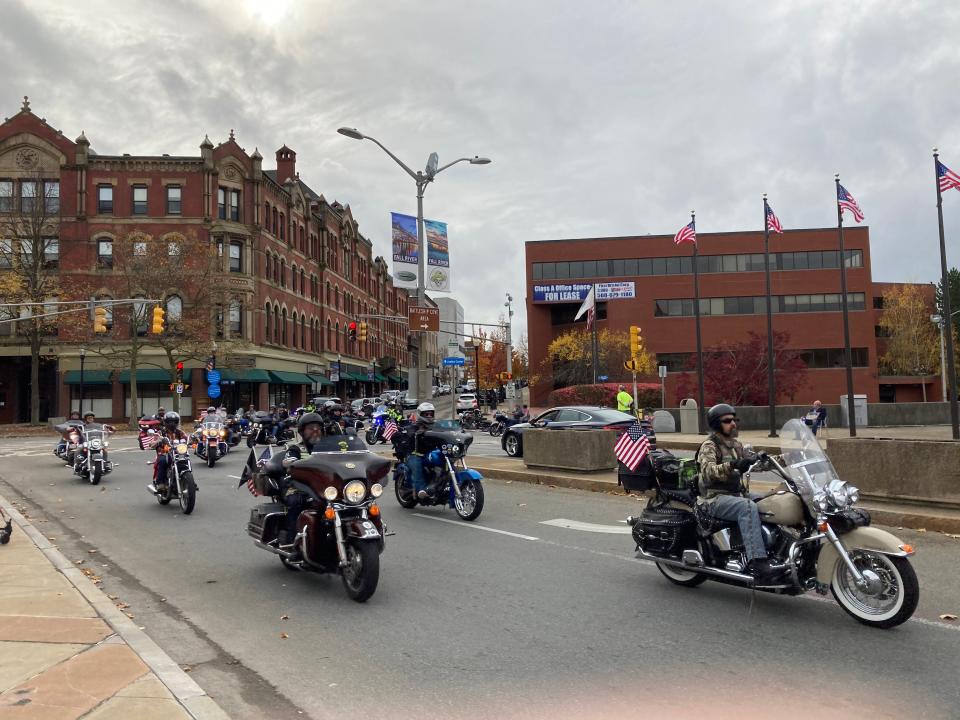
column 846, row 202
column 389, row 430
column 946, row 177
column 773, row 222
column 632, row 447
column 250, row 470
column 210, row 364
column 688, row 233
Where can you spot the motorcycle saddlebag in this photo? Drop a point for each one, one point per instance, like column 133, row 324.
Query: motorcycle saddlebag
column 260, row 516
column 642, row 478
column 665, row 531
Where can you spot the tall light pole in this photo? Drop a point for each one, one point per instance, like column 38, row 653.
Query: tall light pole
column 509, row 306
column 83, row 357
column 422, row 178
column 938, row 319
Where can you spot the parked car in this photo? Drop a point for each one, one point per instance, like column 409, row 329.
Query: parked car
column 467, row 402
column 319, row 400
column 579, row 417
column 389, row 395
column 444, row 389
column 355, row 405
column 407, row 401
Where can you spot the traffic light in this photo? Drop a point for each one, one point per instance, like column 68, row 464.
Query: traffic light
column 99, row 319
column 352, row 331
column 634, row 341
column 504, row 376
column 179, row 371
column 362, row 332
column 157, row 327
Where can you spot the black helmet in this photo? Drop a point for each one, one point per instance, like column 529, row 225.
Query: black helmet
column 718, row 411
column 171, row 419
column 306, row 419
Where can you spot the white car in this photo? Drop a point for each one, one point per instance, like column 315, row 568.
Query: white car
column 467, row 402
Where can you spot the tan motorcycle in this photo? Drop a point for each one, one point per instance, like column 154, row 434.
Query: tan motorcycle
column 812, row 530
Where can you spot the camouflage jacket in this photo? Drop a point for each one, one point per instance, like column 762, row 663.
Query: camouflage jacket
column 716, row 475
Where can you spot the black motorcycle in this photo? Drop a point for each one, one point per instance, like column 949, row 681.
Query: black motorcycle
column 340, row 531
column 179, row 482
column 474, row 420
column 263, row 429
column 90, row 458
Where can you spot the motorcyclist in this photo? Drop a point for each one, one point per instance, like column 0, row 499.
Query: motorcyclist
column 160, row 413
column 311, row 429
column 426, row 414
column 62, row 445
column 169, row 434
column 724, row 491
column 89, row 419
column 332, row 420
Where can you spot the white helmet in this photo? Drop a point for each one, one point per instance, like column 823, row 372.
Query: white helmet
column 423, row 408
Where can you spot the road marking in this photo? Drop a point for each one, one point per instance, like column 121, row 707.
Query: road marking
column 588, row 527
column 235, row 477
column 465, row 524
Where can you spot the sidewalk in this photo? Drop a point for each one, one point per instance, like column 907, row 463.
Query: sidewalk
column 66, row 651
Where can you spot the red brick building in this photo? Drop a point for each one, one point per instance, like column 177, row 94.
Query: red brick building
column 294, row 272
column 805, row 285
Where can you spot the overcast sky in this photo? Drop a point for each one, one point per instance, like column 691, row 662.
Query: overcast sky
column 603, row 118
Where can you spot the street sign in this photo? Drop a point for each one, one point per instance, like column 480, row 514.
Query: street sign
column 179, row 388
column 453, row 361
column 213, row 377
column 370, row 375
column 213, row 391
column 423, row 318
column 662, row 370
column 603, row 378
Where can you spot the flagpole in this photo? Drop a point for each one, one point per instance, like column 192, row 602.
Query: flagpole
column 846, row 319
column 771, row 390
column 696, row 315
column 945, row 310
column 596, row 316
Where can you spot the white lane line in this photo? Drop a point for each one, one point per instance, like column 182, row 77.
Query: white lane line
column 588, row 527
column 235, row 477
column 465, row 524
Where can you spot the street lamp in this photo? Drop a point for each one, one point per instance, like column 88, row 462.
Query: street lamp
column 509, row 306
column 938, row 319
column 422, row 178
column 83, row 357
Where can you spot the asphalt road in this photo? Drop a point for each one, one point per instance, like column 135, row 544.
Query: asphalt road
column 506, row 617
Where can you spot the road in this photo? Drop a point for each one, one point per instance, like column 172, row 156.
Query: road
column 506, row 617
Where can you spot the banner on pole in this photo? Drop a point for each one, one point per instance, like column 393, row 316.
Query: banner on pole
column 405, row 256
column 438, row 256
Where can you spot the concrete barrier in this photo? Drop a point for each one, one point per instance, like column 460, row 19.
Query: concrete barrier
column 910, row 470
column 585, row 450
column 755, row 417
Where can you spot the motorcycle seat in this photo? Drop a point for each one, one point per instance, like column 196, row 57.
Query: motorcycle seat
column 687, row 497
column 709, row 524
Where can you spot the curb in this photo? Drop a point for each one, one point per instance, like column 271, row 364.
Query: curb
column 187, row 692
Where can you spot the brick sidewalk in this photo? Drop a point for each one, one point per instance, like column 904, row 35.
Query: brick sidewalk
column 66, row 651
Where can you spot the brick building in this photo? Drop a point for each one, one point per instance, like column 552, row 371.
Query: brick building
column 294, row 271
column 805, row 285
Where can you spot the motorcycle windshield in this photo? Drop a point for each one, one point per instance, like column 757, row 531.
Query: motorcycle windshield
column 804, row 459
column 338, row 443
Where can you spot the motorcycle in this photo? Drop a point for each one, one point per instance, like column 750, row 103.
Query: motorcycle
column 501, row 421
column 69, row 440
column 180, row 483
column 211, row 443
column 474, row 420
column 90, row 459
column 340, row 531
column 262, row 430
column 375, row 431
column 444, row 470
column 813, row 532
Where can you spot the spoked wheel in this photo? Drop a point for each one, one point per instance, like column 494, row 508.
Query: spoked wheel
column 362, row 571
column 188, row 497
column 890, row 596
column 686, row 578
column 371, row 437
column 512, row 445
column 470, row 503
column 403, row 491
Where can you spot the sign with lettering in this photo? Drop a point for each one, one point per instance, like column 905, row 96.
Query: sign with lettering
column 424, row 318
column 577, row 292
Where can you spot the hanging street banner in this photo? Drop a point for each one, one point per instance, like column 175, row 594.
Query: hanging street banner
column 438, row 256
column 577, row 292
column 405, row 258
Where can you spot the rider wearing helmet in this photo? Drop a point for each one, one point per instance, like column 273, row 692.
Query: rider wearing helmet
column 426, row 414
column 310, row 427
column 169, row 434
column 332, row 418
column 724, row 492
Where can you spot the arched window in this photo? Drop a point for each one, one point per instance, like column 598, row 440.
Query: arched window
column 267, row 264
column 293, row 277
column 273, row 222
column 329, row 335
column 338, row 335
column 267, row 327
column 140, row 312
column 293, row 338
column 276, row 326
column 329, row 295
column 303, row 283
column 174, row 308
column 266, row 216
column 283, row 327
column 303, row 334
column 283, row 221
column 283, row 273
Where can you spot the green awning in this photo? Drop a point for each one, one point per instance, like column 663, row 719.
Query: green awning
column 90, row 377
column 320, row 379
column 354, row 376
column 291, row 378
column 146, row 375
column 380, row 378
column 252, row 375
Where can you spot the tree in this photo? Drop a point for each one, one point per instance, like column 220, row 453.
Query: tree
column 912, row 341
column 569, row 358
column 30, row 253
column 953, row 281
column 736, row 373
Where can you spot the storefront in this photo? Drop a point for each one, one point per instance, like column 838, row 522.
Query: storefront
column 153, row 392
column 97, row 391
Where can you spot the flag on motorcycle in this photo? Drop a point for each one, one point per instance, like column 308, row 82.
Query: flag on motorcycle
column 250, row 470
column 389, row 430
column 632, row 447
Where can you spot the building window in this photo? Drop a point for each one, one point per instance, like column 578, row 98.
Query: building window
column 756, row 304
column 174, row 308
column 6, row 196
column 273, row 222
column 6, row 253
column 283, row 273
column 283, row 221
column 236, row 318
column 235, row 205
column 267, row 326
column 283, row 327
column 267, row 265
column 139, row 199
column 108, row 320
column 51, row 195
column 293, row 278
column 236, row 257
column 174, row 197
column 104, row 199
column 173, row 249
column 105, row 253
column 28, row 196
column 51, row 252
column 222, row 203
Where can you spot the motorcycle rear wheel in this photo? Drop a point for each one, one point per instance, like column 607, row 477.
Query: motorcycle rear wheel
column 685, row 578
column 188, row 498
column 896, row 574
column 403, row 491
column 362, row 572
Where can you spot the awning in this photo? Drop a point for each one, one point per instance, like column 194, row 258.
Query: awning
column 146, row 375
column 320, row 379
column 380, row 378
column 90, row 377
column 291, row 378
column 252, row 375
column 354, row 376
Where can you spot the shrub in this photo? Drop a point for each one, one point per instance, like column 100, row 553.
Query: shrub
column 604, row 394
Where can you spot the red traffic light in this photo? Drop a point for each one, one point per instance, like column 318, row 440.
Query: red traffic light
column 352, row 326
column 179, row 366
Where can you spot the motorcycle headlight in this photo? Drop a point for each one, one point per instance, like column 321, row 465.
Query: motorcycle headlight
column 96, row 444
column 223, row 433
column 376, row 490
column 106, row 444
column 853, row 494
column 182, row 448
column 354, row 491
column 820, row 500
column 330, row 493
column 445, row 447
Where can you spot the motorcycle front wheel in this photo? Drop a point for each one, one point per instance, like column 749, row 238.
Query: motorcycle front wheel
column 470, row 503
column 891, row 595
column 96, row 475
column 371, row 437
column 251, row 440
column 362, row 572
column 211, row 458
column 188, row 496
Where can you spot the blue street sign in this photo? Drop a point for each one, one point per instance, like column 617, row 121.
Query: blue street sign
column 213, row 377
column 370, row 375
column 453, row 361
column 213, row 391
column 603, row 378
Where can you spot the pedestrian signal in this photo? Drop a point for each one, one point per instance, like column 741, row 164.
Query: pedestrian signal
column 100, row 319
column 352, row 331
column 362, row 332
column 634, row 341
column 157, row 326
column 179, row 372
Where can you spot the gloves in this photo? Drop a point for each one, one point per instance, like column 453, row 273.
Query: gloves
column 741, row 465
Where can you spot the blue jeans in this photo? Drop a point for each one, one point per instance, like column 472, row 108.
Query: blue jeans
column 160, row 474
column 415, row 464
column 745, row 513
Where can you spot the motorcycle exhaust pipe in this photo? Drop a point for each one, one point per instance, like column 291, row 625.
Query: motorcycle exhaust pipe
column 691, row 566
column 273, row 549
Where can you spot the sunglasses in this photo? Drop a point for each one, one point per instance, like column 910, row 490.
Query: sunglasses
column 428, row 413
column 727, row 421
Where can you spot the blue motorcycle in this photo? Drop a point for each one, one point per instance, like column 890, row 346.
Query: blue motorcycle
column 449, row 481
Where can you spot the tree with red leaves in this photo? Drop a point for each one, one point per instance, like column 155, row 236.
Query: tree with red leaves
column 736, row 373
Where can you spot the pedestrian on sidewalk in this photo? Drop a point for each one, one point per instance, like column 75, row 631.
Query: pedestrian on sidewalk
column 624, row 400
column 816, row 417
